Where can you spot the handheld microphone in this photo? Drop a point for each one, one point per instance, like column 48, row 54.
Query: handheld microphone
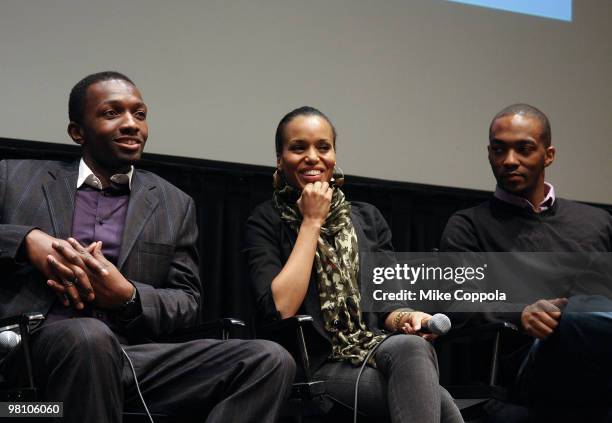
column 9, row 340
column 439, row 324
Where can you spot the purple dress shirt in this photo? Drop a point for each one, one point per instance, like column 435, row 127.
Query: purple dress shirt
column 99, row 215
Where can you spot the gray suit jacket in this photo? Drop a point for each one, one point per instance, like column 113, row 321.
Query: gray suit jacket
column 158, row 251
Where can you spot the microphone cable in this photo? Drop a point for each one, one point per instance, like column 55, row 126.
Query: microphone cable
column 365, row 362
column 138, row 386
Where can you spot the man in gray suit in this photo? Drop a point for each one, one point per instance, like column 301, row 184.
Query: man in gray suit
column 108, row 254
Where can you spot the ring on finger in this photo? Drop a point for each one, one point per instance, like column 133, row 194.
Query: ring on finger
column 70, row 282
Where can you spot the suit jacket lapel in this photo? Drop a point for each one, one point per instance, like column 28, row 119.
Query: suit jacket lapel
column 60, row 193
column 143, row 202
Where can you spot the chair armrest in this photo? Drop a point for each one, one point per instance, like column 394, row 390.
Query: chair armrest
column 218, row 329
column 289, row 333
column 13, row 321
column 21, row 325
column 480, row 330
column 284, row 326
column 25, row 322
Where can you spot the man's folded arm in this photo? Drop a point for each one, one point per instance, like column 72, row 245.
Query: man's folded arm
column 11, row 236
column 12, row 243
column 176, row 303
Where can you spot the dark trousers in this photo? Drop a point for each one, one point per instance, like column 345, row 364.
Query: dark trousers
column 569, row 375
column 80, row 362
column 403, row 388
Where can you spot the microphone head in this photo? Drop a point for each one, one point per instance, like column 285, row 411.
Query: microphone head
column 439, row 324
column 9, row 340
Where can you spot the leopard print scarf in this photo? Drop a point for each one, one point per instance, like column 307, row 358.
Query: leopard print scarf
column 337, row 268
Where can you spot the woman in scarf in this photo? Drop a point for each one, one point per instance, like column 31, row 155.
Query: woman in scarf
column 303, row 249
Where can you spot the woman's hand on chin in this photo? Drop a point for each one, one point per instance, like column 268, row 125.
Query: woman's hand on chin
column 314, row 202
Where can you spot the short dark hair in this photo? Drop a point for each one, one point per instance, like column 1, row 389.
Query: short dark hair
column 300, row 111
column 76, row 102
column 526, row 110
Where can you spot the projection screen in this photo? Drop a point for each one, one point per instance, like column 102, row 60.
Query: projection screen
column 411, row 85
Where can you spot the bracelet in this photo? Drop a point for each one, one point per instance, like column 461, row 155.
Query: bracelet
column 128, row 310
column 129, row 302
column 398, row 318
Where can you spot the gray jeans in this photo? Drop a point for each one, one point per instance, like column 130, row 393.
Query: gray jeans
column 403, row 388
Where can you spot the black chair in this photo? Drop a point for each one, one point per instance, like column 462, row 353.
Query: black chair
column 469, row 359
column 21, row 327
column 307, row 399
column 307, row 403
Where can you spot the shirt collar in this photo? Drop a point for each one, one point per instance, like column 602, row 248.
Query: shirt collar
column 87, row 177
column 547, row 202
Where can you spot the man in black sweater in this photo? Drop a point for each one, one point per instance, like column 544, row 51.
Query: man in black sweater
column 569, row 365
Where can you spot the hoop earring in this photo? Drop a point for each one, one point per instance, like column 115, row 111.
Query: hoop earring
column 338, row 177
column 277, row 180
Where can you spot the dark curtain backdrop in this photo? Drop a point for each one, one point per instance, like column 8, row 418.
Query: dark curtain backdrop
column 225, row 194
